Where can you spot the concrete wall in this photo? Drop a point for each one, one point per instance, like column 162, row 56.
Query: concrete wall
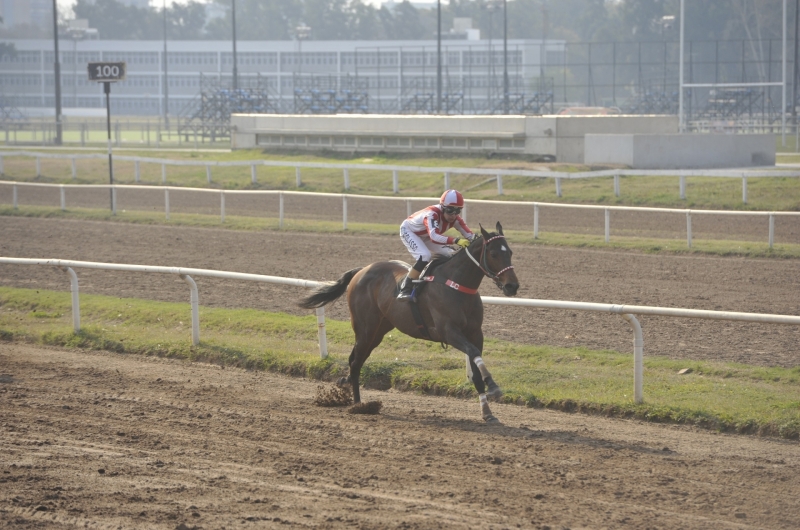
column 680, row 151
column 560, row 137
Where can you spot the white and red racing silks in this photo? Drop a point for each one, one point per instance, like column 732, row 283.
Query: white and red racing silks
column 431, row 222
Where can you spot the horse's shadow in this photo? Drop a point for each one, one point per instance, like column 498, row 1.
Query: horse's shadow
column 527, row 434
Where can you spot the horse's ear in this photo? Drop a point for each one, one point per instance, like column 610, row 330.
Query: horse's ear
column 499, row 228
column 484, row 232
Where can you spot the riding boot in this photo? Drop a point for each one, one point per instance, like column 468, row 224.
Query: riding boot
column 406, row 287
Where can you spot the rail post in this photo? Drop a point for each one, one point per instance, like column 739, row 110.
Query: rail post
column 499, row 184
column 2, row 171
column 222, row 206
column 63, row 198
column 137, row 172
column 744, row 190
column 408, row 208
column 14, row 196
column 446, row 180
column 321, row 334
column 346, row 179
column 683, row 187
column 344, row 212
column 608, row 224
column 163, row 173
column 76, row 306
column 113, row 200
column 638, row 357
column 195, row 301
column 208, row 173
column 616, row 185
column 395, row 182
column 253, row 177
column 298, row 182
column 771, row 229
column 464, row 212
column 280, row 210
column 166, row 202
column 689, row 229
column 535, row 221
column 558, row 186
column 38, row 167
column 74, row 169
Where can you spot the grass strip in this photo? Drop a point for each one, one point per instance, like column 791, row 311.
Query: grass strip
column 714, row 193
column 725, row 397
column 715, row 247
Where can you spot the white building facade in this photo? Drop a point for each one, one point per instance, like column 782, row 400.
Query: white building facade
column 393, row 74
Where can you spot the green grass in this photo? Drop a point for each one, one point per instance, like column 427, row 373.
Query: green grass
column 720, row 396
column 752, row 249
column 776, row 194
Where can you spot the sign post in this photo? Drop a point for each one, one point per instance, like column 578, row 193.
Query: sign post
column 108, row 73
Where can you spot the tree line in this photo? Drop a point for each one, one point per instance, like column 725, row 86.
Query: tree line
column 570, row 20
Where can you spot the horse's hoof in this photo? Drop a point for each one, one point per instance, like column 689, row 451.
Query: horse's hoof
column 489, row 418
column 494, row 393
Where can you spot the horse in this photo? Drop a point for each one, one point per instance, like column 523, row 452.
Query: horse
column 448, row 309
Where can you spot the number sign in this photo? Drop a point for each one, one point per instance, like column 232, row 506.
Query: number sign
column 106, row 72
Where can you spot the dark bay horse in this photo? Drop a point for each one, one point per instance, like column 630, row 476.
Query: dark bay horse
column 449, row 305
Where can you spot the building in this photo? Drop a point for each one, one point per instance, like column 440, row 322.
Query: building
column 388, row 76
column 37, row 13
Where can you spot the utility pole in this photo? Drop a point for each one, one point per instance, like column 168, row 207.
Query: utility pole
column 505, row 57
column 235, row 71
column 166, row 79
column 438, row 56
column 57, row 75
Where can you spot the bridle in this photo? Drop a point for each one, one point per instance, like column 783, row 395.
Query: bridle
column 483, row 265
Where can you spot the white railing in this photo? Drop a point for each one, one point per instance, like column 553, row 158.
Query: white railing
column 535, row 206
column 495, row 174
column 627, row 312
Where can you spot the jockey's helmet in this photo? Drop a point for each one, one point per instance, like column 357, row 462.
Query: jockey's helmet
column 452, row 198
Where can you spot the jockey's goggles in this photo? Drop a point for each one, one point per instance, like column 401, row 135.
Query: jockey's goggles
column 452, row 210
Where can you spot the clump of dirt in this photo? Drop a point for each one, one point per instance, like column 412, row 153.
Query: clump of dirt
column 370, row 407
column 333, row 396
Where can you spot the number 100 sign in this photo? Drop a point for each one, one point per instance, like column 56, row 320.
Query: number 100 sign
column 106, row 72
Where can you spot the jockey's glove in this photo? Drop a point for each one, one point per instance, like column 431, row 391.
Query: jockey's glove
column 461, row 242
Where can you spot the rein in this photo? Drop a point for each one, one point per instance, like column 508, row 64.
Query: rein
column 484, row 266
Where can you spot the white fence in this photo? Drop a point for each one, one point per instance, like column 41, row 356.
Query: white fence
column 627, row 312
column 495, row 175
column 535, row 206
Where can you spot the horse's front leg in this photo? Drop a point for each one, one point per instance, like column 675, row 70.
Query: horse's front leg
column 481, row 377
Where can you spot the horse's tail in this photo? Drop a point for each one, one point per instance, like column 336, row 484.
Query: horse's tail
column 329, row 292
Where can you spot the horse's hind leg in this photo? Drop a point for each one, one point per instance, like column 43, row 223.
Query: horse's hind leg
column 367, row 339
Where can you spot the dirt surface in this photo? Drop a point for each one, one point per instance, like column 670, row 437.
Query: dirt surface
column 98, row 440
column 614, row 277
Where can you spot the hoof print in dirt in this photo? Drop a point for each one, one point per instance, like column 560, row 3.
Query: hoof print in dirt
column 335, row 396
column 370, row 407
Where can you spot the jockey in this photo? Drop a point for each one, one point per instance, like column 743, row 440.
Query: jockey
column 423, row 235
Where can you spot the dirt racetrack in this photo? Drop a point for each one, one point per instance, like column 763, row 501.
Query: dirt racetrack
column 98, row 440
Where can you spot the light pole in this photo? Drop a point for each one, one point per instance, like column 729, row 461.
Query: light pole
column 235, row 71
column 77, row 31
column 57, row 75
column 505, row 57
column 301, row 32
column 438, row 56
column 491, row 6
column 166, row 79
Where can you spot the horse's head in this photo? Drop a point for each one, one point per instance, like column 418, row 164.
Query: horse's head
column 496, row 261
